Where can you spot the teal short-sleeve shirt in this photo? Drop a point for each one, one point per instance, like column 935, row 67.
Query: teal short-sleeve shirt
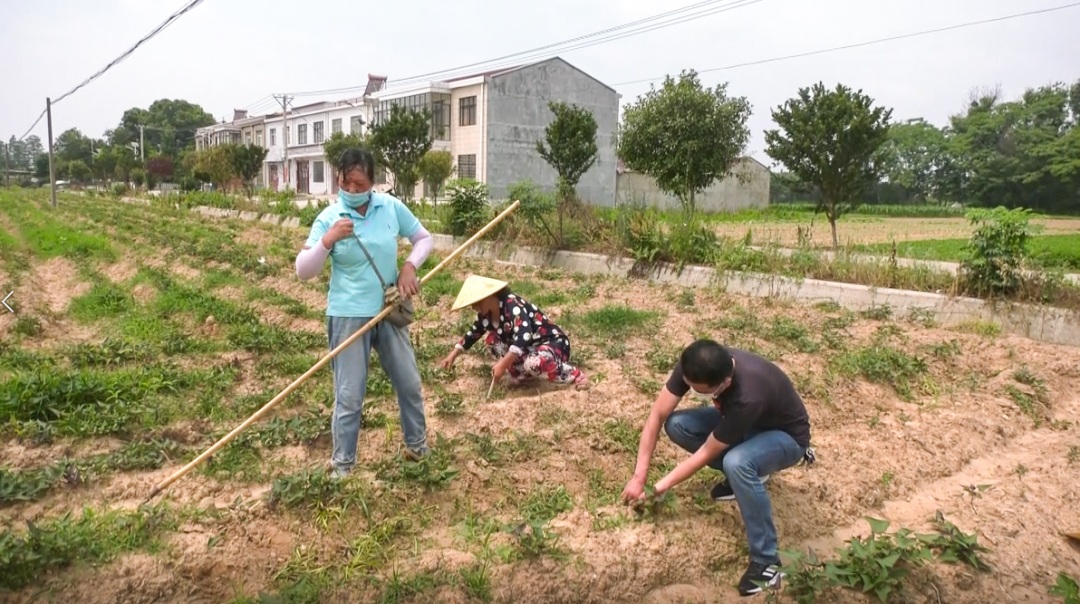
column 355, row 290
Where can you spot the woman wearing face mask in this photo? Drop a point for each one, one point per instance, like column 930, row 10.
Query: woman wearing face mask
column 375, row 220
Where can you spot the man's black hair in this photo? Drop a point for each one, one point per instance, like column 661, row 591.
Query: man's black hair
column 706, row 362
column 354, row 158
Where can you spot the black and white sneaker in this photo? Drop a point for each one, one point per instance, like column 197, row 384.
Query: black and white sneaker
column 722, row 491
column 768, row 575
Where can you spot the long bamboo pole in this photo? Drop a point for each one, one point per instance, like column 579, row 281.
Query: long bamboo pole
column 322, row 362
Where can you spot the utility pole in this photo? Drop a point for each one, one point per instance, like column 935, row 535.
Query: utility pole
column 142, row 147
column 285, row 139
column 52, row 171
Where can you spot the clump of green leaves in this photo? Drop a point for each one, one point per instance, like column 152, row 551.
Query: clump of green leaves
column 534, row 539
column 654, row 506
column 1066, row 588
column 468, row 207
column 997, row 250
column 92, row 537
column 884, row 364
column 434, row 470
column 307, row 488
column 28, row 485
column 450, row 404
column 879, row 563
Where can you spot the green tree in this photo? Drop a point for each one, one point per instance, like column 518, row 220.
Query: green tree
column 71, row 146
column 684, row 136
column 21, row 155
column 138, row 176
column 400, row 142
column 247, row 163
column 434, row 168
column 569, row 146
column 1021, row 153
column 831, row 139
column 168, row 126
column 104, row 166
column 916, row 157
column 216, row 165
column 78, row 171
column 338, row 142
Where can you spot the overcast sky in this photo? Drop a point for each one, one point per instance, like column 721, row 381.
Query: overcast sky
column 227, row 54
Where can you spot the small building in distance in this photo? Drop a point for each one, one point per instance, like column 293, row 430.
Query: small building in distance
column 746, row 187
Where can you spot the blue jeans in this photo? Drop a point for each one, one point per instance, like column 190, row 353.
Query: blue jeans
column 743, row 464
column 350, row 369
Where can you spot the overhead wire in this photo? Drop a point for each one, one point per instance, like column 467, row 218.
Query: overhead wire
column 866, row 43
column 172, row 19
column 577, row 39
column 534, row 53
column 545, row 55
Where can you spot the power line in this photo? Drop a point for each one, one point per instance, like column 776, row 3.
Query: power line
column 867, row 43
column 570, row 41
column 544, row 55
column 36, row 122
column 536, row 52
column 172, row 18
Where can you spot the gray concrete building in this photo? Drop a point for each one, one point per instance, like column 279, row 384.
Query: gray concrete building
column 496, row 118
column 746, row 187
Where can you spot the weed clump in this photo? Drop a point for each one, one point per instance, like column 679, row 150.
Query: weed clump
column 879, row 563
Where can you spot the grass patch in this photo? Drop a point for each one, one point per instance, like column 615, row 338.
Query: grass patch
column 1051, row 251
column 884, row 364
column 104, row 300
column 95, row 537
column 614, row 320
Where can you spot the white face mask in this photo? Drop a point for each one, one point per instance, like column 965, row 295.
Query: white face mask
column 702, row 396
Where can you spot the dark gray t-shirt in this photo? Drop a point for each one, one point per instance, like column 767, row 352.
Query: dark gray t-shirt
column 761, row 396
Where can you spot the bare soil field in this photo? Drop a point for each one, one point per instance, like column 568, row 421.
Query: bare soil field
column 126, row 360
column 868, row 230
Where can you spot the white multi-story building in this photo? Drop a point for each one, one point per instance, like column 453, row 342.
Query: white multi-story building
column 298, row 140
column 489, row 122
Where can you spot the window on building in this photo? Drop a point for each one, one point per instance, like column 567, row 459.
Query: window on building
column 317, row 132
column 247, row 138
column 259, row 137
column 466, row 166
column 440, row 117
column 354, row 124
column 467, row 111
column 301, row 134
column 317, row 170
column 273, row 137
column 335, row 126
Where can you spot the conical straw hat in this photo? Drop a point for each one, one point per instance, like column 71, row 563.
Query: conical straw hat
column 476, row 288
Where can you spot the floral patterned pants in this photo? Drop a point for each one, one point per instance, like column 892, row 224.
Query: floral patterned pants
column 548, row 360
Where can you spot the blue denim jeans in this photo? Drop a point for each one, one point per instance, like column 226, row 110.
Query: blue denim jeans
column 350, row 369
column 743, row 464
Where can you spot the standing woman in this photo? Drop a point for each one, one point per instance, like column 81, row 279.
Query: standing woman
column 375, row 220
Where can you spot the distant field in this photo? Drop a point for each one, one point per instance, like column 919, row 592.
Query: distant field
column 867, row 230
column 1052, row 250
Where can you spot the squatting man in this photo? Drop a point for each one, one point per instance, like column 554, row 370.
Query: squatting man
column 756, row 425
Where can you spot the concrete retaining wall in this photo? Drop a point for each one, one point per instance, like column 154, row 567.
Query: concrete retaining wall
column 1042, row 323
column 940, row 266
